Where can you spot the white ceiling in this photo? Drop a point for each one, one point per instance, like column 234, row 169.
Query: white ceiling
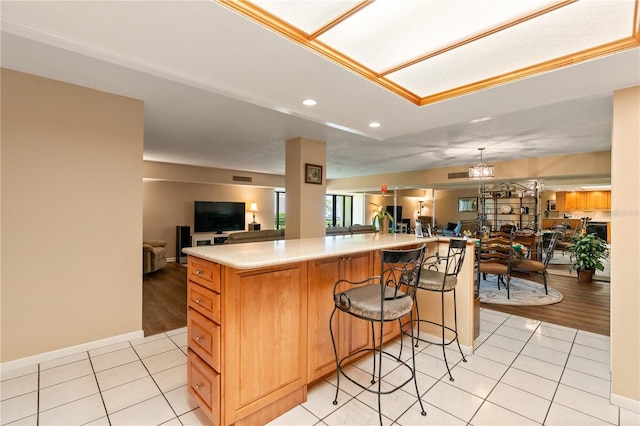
column 221, row 91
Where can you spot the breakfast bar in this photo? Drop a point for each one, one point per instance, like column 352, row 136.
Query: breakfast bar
column 258, row 318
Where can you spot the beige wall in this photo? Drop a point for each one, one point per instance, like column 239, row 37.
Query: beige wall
column 446, row 206
column 155, row 170
column 71, row 215
column 169, row 204
column 587, row 165
column 625, row 234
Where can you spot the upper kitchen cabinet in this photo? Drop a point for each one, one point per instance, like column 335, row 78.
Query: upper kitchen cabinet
column 583, row 200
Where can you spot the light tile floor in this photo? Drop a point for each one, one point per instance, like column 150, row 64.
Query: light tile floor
column 522, row 372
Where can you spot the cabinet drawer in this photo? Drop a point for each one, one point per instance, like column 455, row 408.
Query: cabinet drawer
column 205, row 273
column 203, row 300
column 204, row 384
column 204, row 338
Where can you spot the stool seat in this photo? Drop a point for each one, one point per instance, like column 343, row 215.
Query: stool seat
column 433, row 280
column 365, row 302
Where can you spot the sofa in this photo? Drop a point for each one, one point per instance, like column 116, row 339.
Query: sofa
column 361, row 229
column 153, row 255
column 278, row 234
column 255, row 236
column 350, row 230
column 452, row 229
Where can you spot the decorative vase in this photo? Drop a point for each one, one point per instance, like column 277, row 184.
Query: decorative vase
column 384, row 226
column 585, row 275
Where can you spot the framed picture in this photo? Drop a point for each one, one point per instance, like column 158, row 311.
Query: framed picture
column 468, row 204
column 552, row 204
column 313, row 174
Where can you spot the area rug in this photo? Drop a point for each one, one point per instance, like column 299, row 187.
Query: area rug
column 523, row 292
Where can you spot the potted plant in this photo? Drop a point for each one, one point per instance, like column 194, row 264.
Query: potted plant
column 587, row 252
column 380, row 215
column 382, row 218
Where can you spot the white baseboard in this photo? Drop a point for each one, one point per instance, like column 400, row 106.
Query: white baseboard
column 71, row 350
column 171, row 259
column 467, row 350
column 626, row 403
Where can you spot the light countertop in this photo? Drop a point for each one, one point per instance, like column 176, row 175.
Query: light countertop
column 272, row 253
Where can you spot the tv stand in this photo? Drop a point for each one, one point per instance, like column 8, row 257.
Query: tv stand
column 208, row 238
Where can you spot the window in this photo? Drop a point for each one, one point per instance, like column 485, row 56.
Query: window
column 279, row 210
column 338, row 210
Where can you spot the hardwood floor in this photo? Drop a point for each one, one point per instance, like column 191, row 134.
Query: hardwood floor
column 585, row 306
column 164, row 299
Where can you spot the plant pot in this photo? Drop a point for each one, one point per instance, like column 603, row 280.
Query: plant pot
column 585, row 276
column 384, row 227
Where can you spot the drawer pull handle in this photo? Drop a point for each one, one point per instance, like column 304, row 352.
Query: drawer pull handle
column 197, row 386
column 198, row 301
column 199, row 272
column 198, row 338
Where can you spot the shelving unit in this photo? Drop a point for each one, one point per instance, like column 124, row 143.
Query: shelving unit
column 510, row 204
column 207, row 239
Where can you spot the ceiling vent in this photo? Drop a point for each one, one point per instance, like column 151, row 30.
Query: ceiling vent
column 458, row 175
column 242, row 179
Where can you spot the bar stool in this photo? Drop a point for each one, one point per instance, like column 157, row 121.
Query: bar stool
column 445, row 281
column 380, row 299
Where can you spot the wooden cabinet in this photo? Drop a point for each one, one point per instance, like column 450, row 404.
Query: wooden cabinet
column 247, row 340
column 350, row 334
column 257, row 337
column 204, row 384
column 203, row 335
column 264, row 352
column 561, row 201
column 599, row 200
column 570, row 201
column 583, row 200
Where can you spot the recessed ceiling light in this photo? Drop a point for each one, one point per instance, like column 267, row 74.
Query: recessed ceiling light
column 309, row 102
column 374, row 124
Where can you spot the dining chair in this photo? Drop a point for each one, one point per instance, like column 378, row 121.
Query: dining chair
column 539, row 266
column 497, row 256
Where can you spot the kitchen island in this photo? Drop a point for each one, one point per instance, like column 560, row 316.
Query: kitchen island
column 258, row 318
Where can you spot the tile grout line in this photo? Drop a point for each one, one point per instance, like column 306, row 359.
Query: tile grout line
column 38, row 399
column 511, row 366
column 156, row 383
column 485, row 399
column 99, row 389
column 564, row 368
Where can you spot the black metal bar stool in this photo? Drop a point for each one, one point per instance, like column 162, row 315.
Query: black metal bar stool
column 380, row 299
column 440, row 275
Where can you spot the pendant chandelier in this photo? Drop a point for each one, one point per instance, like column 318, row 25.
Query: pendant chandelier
column 481, row 170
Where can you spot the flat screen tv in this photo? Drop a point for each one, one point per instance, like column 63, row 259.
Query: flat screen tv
column 218, row 216
column 398, row 213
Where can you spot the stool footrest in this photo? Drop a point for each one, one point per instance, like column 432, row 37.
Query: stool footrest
column 376, row 353
column 416, row 337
